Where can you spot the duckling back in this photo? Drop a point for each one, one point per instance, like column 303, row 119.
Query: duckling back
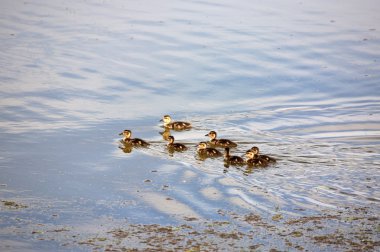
column 223, row 143
column 139, row 142
column 232, row 160
column 179, row 125
column 256, row 162
column 209, row 152
column 267, row 158
column 177, row 146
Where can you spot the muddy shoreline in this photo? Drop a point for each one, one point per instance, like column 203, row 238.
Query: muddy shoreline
column 349, row 229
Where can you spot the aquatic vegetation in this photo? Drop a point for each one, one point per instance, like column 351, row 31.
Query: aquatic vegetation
column 12, row 204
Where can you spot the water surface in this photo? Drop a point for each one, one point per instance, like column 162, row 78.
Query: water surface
column 300, row 80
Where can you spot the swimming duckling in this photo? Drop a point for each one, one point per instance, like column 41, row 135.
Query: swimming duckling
column 255, row 160
column 256, row 151
column 132, row 141
column 174, row 125
column 207, row 152
column 220, row 142
column 232, row 160
column 175, row 146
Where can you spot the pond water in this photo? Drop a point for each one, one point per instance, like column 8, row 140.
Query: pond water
column 298, row 79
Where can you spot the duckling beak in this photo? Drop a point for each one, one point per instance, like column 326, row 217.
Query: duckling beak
column 161, row 120
column 120, row 133
column 206, row 135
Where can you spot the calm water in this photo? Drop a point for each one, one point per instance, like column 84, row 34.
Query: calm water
column 300, row 80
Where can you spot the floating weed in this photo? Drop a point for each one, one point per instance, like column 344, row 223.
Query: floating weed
column 193, row 249
column 37, row 232
column 296, row 234
column 277, row 217
column 12, row 204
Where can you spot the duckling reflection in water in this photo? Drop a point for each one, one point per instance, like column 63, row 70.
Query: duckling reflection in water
column 175, row 146
column 175, row 125
column 126, row 148
column 255, row 150
column 165, row 134
column 219, row 142
column 232, row 160
column 204, row 151
column 136, row 142
column 254, row 160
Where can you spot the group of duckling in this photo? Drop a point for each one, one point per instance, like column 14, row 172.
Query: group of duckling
column 204, row 149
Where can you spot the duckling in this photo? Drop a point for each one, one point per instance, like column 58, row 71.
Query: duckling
column 175, row 146
column 254, row 159
column 174, row 125
column 256, row 151
column 232, row 160
column 132, row 141
column 220, row 142
column 207, row 152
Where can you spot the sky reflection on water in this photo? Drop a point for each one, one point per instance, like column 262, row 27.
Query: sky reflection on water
column 71, row 70
column 301, row 80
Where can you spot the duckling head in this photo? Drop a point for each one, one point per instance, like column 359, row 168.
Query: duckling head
column 202, row 145
column 166, row 119
column 171, row 139
column 211, row 134
column 250, row 154
column 126, row 134
column 255, row 150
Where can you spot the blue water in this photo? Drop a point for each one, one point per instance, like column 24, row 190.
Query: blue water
column 298, row 79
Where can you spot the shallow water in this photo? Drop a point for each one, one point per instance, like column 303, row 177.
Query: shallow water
column 299, row 80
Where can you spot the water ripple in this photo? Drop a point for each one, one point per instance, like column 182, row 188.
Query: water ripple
column 299, row 80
